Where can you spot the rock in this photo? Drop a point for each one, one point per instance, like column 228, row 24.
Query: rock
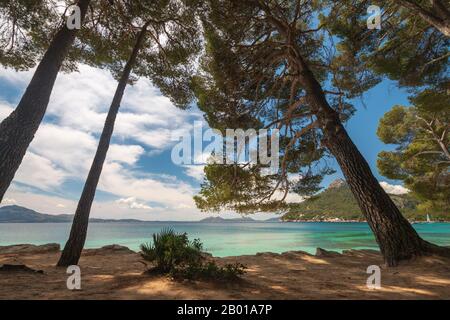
column 116, row 247
column 361, row 252
column 18, row 268
column 325, row 253
column 267, row 254
column 295, row 254
column 112, row 248
column 30, row 248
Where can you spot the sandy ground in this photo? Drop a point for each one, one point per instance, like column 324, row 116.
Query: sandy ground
column 119, row 274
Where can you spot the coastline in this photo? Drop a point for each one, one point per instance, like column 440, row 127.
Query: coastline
column 330, row 220
column 337, row 220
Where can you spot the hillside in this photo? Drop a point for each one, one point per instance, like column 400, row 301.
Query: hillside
column 222, row 220
column 337, row 202
column 17, row 214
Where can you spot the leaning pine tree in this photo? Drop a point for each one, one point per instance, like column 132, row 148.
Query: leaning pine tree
column 274, row 64
column 18, row 129
column 164, row 44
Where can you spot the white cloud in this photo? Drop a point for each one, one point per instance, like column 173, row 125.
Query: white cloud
column 68, row 148
column 19, row 79
column 196, row 172
column 155, row 188
column 132, row 203
column 39, row 172
column 127, row 154
column 5, row 110
column 111, row 209
column 145, row 115
column 8, row 201
column 66, row 141
column 393, row 189
column 63, row 148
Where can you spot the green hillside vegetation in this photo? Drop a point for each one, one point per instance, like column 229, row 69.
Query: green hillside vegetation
column 339, row 203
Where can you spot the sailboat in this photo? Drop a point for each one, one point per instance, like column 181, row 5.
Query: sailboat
column 428, row 219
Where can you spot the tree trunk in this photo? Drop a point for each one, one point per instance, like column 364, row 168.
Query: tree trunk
column 439, row 17
column 72, row 250
column 18, row 129
column 395, row 236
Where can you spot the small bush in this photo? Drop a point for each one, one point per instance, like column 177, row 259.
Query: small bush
column 170, row 250
column 175, row 254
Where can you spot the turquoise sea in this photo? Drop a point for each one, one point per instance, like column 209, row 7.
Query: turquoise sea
column 222, row 239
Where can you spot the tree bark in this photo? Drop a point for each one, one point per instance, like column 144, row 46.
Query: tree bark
column 74, row 246
column 439, row 17
column 395, row 236
column 18, row 129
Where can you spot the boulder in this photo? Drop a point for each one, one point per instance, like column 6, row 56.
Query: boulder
column 30, row 248
column 294, row 254
column 112, row 248
column 267, row 254
column 325, row 253
column 116, row 247
column 361, row 252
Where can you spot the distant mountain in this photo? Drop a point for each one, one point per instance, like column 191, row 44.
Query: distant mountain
column 222, row 220
column 276, row 219
column 17, row 214
column 338, row 203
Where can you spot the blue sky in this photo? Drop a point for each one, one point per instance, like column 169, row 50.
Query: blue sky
column 139, row 179
column 363, row 125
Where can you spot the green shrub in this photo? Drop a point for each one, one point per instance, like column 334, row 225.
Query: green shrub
column 173, row 253
column 170, row 250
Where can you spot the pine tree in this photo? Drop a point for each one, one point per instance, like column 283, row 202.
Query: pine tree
column 158, row 40
column 25, row 24
column 422, row 157
column 274, row 63
column 18, row 129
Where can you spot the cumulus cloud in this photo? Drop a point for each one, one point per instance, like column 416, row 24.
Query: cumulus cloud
column 66, row 141
column 9, row 201
column 5, row 110
column 132, row 203
column 145, row 116
column 40, row 172
column 393, row 189
column 19, row 79
column 196, row 172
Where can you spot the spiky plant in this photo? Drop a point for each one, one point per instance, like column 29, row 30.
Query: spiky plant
column 170, row 250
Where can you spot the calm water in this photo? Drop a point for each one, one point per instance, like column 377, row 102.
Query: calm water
column 224, row 239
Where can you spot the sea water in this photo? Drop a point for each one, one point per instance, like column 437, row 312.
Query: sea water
column 221, row 239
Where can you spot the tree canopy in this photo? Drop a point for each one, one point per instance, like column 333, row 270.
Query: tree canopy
column 171, row 43
column 422, row 157
column 407, row 48
column 249, row 79
column 25, row 29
